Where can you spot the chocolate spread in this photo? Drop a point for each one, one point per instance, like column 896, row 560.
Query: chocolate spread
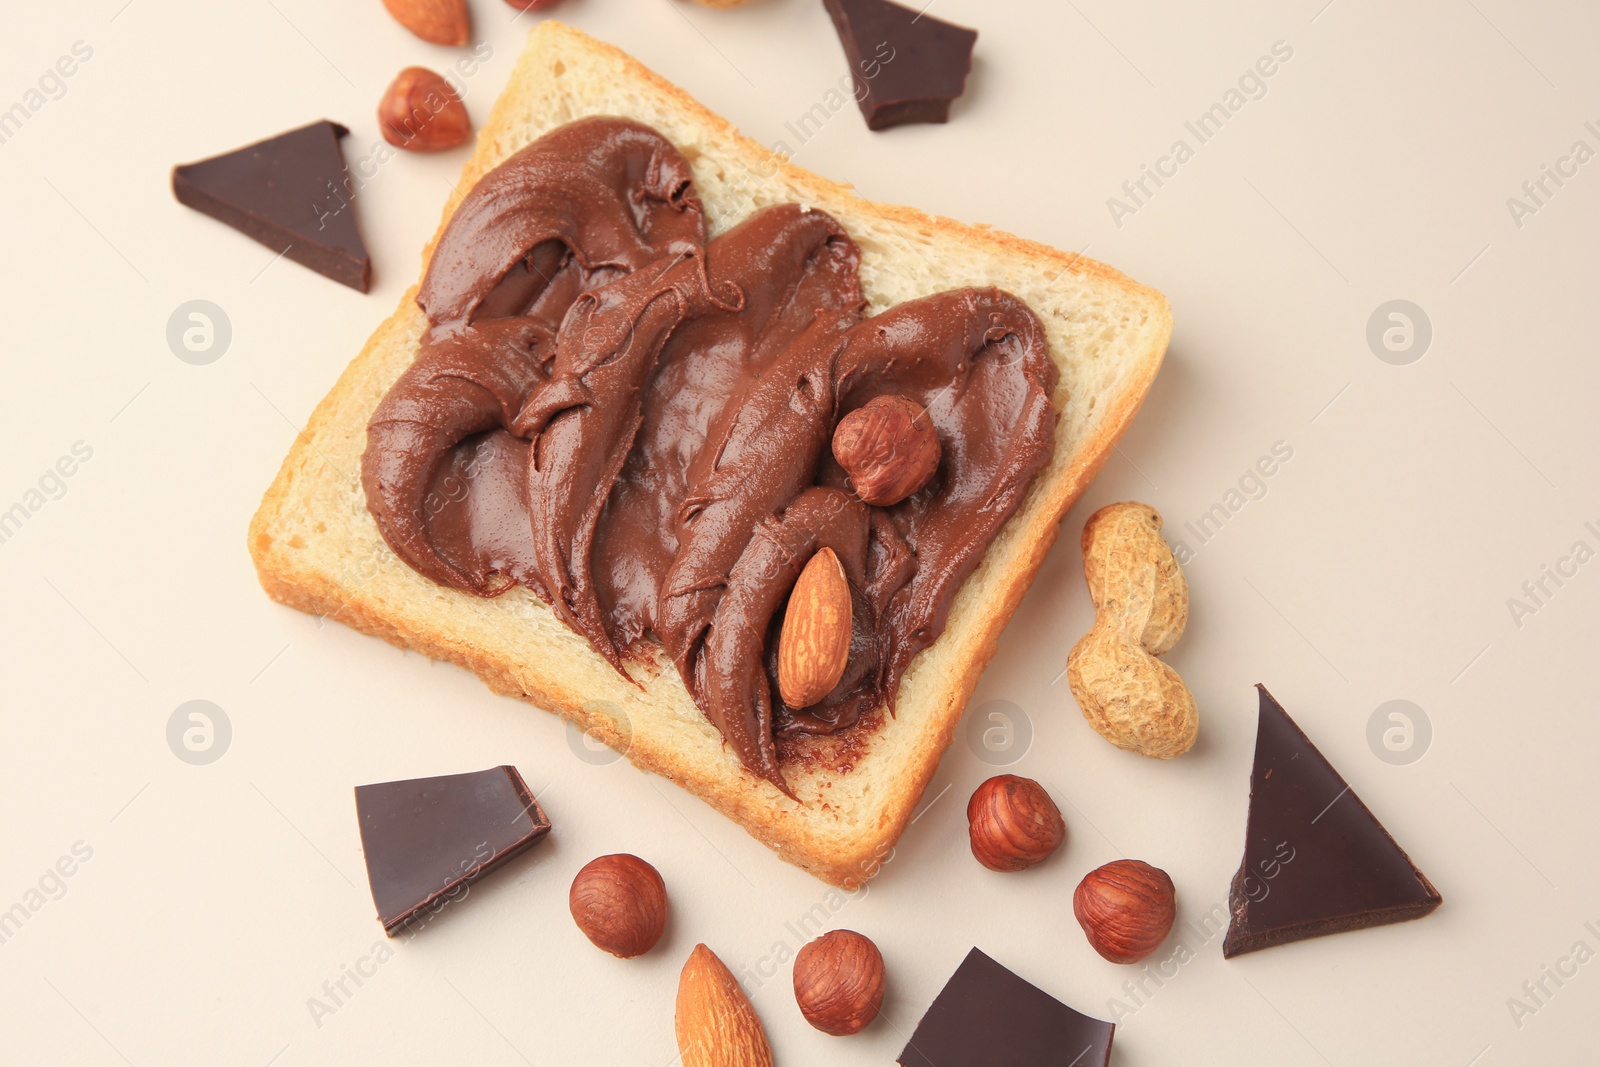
column 632, row 420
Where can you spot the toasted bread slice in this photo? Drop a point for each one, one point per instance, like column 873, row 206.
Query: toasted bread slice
column 317, row 548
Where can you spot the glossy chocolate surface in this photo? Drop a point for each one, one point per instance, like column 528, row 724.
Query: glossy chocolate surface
column 987, row 1016
column 1316, row 861
column 907, row 65
column 427, row 839
column 290, row 192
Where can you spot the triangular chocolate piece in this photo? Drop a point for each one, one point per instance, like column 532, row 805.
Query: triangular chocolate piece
column 290, row 192
column 425, row 839
column 1316, row 861
column 907, row 65
column 985, row 1016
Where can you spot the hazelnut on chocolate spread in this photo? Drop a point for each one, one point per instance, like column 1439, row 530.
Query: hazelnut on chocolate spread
column 632, row 420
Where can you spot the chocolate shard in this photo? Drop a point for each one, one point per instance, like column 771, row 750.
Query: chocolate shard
column 1316, row 861
column 907, row 65
column 985, row 1016
column 290, row 192
column 425, row 839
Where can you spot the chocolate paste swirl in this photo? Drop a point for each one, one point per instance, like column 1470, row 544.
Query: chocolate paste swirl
column 634, row 421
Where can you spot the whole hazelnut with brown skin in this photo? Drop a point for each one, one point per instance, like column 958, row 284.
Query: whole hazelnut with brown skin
column 533, row 5
column 1126, row 909
column 620, row 903
column 838, row 982
column 888, row 447
column 420, row 112
column 1013, row 823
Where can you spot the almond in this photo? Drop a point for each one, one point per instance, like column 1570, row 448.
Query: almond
column 435, row 21
column 814, row 645
column 716, row 1024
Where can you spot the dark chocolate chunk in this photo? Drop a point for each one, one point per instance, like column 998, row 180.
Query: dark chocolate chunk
column 986, row 1016
column 290, row 192
column 1316, row 861
column 425, row 839
column 907, row 65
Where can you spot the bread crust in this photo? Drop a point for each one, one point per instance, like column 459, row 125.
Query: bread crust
column 317, row 550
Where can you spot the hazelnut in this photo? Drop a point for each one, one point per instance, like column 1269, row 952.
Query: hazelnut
column 1126, row 909
column 620, row 903
column 421, row 112
column 1013, row 823
column 838, row 982
column 532, row 5
column 888, row 447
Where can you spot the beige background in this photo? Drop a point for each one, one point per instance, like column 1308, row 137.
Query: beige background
column 1377, row 566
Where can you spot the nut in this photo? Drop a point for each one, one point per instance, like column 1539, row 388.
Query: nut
column 620, row 903
column 1141, row 603
column 814, row 645
column 1126, row 909
column 435, row 21
column 888, row 447
column 532, row 5
column 1013, row 823
column 421, row 112
column 838, row 982
column 716, row 1024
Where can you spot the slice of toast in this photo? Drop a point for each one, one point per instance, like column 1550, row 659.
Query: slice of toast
column 317, row 548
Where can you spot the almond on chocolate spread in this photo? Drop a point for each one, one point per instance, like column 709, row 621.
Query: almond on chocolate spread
column 634, row 422
column 814, row 644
